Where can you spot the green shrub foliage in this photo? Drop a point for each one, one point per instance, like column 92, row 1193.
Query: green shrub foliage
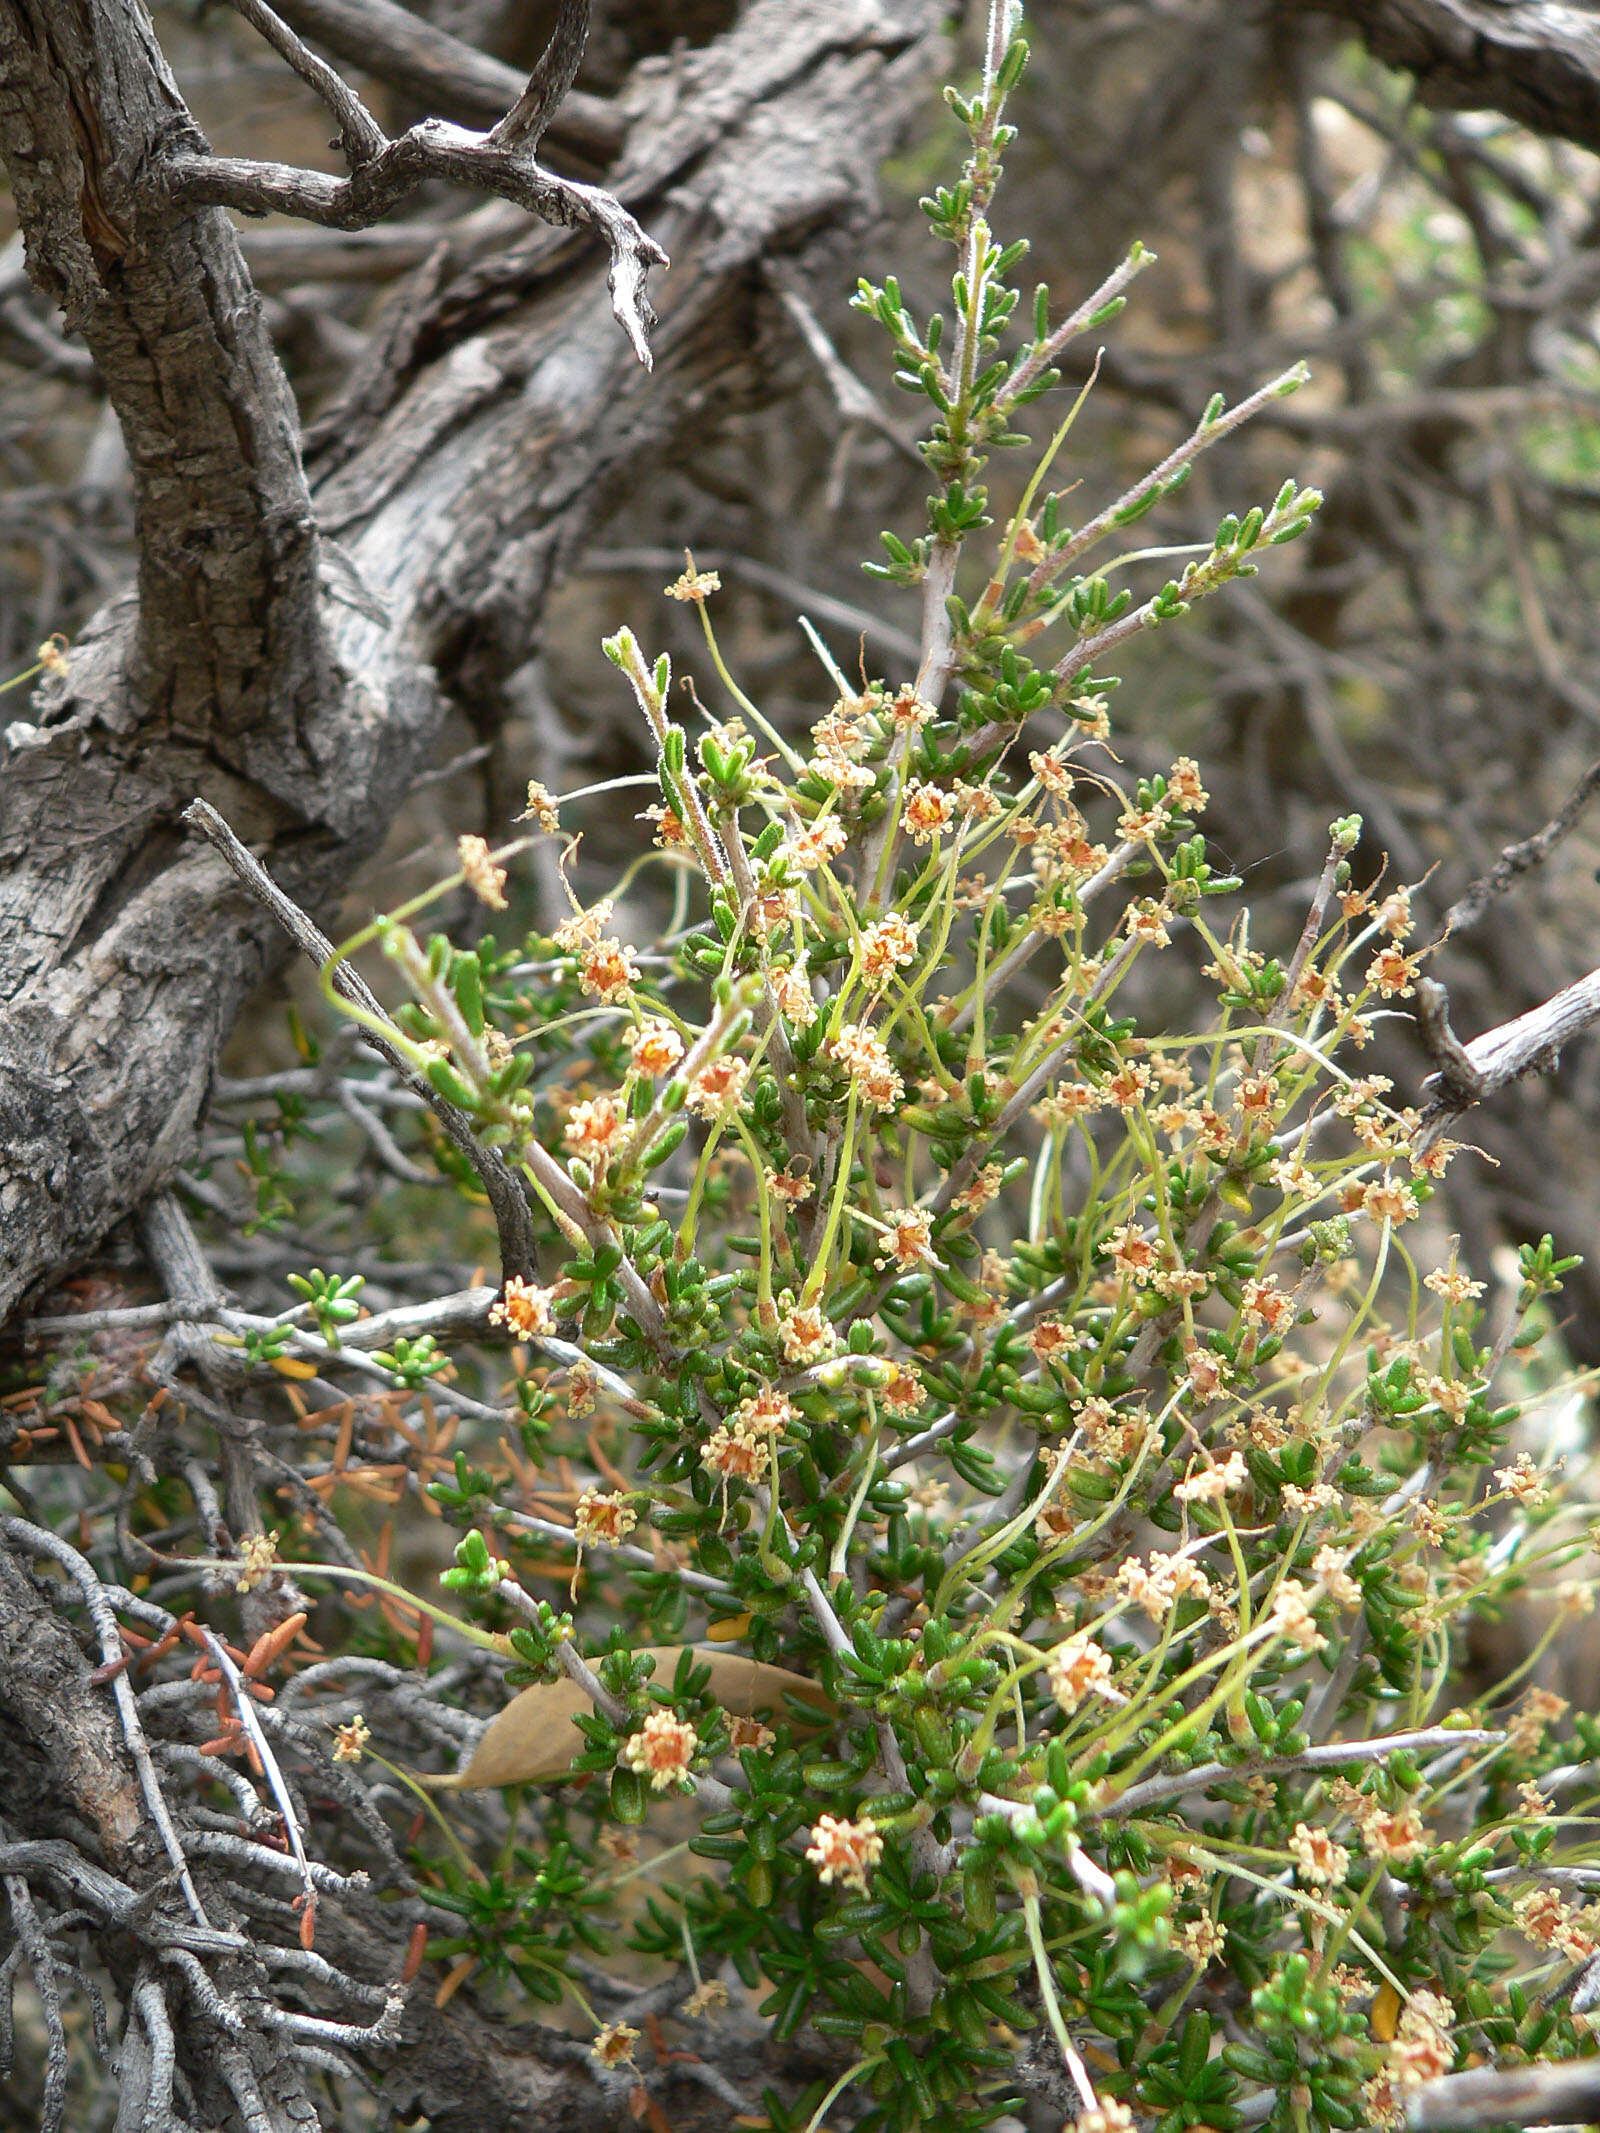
column 1052, row 1395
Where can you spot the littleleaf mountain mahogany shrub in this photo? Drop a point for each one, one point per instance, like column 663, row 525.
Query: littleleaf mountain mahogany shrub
column 1015, row 1496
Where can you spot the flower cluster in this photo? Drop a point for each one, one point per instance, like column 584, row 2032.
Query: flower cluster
column 1020, row 1444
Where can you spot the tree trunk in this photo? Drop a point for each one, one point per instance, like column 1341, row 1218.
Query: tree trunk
column 458, row 476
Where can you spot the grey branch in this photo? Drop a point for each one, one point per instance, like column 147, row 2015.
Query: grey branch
column 506, row 414
column 1530, row 1044
column 1326, row 1755
column 1521, row 2096
column 443, row 74
column 360, row 134
column 384, row 172
column 529, row 117
column 1517, row 859
column 505, row 1193
column 435, row 150
column 1537, row 63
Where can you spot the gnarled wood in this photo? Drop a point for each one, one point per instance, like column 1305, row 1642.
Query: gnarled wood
column 470, row 476
column 1537, row 62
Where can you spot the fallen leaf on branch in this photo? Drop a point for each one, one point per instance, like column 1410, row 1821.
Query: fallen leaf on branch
column 534, row 1738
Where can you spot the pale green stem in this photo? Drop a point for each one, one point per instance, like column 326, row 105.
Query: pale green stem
column 817, row 1278
column 839, row 1558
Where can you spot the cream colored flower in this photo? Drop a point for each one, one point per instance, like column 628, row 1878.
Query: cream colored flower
column 1450, row 1283
column 1133, row 1253
column 768, row 1410
column 593, row 1129
column 819, row 842
column 1328, row 1568
column 608, row 971
column 655, row 1047
column 486, row 881
column 350, row 1739
column 865, row 1059
column 736, row 1452
column 1080, row 1668
column 602, row 1516
column 792, row 991
column 584, row 928
column 1201, row 1941
column 716, row 1090
column 1523, row 1481
column 694, row 587
column 1209, row 1484
column 907, row 1238
column 805, row 1335
column 1387, row 1200
column 524, row 1309
column 1423, row 2047
column 1392, row 973
column 1291, row 1616
column 542, row 807
column 258, row 1556
column 1317, row 1858
column 843, row 1851
column 887, row 945
column 925, row 811
column 662, row 1750
column 613, row 2046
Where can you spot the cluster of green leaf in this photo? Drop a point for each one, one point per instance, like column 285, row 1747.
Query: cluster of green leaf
column 1053, row 1392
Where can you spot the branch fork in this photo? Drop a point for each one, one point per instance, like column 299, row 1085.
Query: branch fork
column 384, row 172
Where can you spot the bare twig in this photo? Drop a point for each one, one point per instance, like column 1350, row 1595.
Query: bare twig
column 1520, row 2096
column 255, row 1733
column 856, row 402
column 1530, row 1044
column 1517, row 859
column 1324, row 1755
column 506, row 1195
column 557, row 69
column 1458, row 1081
column 433, row 151
column 35, row 1945
column 442, row 73
column 360, row 135
column 82, row 1573
column 127, row 1318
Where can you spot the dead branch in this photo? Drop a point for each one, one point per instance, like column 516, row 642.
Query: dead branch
column 1517, row 859
column 1530, row 1044
column 443, row 74
column 505, row 1193
column 1519, row 2096
column 383, row 172
column 1539, row 64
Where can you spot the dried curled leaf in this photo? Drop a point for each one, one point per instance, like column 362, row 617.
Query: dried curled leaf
column 534, row 1738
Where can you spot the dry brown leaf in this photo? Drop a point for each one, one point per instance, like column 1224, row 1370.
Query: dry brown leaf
column 534, row 1739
